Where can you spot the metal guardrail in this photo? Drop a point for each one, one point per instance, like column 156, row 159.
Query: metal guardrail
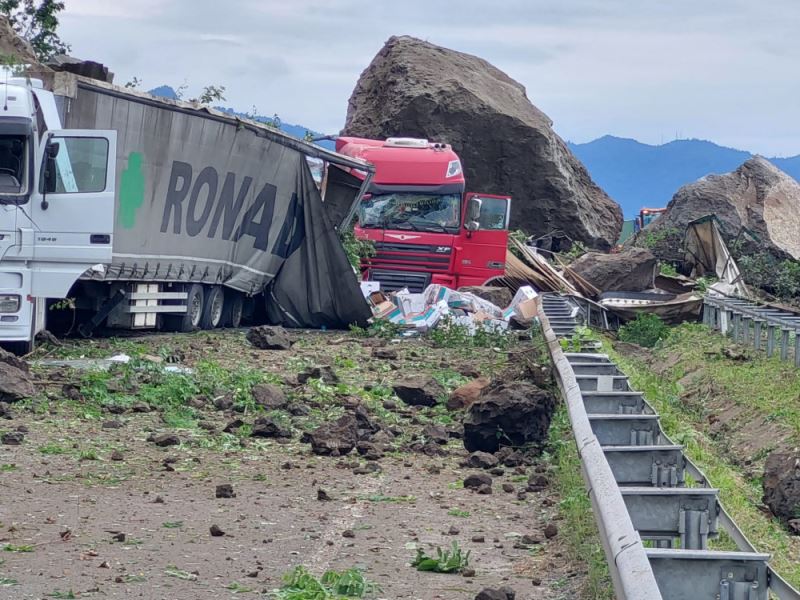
column 738, row 318
column 653, row 528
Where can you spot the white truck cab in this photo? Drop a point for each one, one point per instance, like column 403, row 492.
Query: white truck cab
column 56, row 205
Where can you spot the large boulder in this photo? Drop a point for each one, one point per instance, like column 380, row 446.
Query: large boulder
column 418, row 390
column 757, row 196
column 506, row 144
column 509, row 414
column 782, row 485
column 15, row 381
column 631, row 270
column 336, row 438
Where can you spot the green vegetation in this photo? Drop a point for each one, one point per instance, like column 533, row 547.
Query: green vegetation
column 238, row 588
column 778, row 277
column 356, row 249
column 579, row 529
column 768, row 388
column 449, row 334
column 457, row 512
column 70, row 595
column 299, row 584
column 667, row 269
column 579, row 340
column 452, row 560
column 7, row 582
column 173, row 571
column 646, row 330
column 14, row 548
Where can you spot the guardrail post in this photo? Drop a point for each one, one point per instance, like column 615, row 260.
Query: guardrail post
column 797, row 348
column 784, row 343
column 736, row 322
column 706, row 312
column 770, row 340
column 757, row 333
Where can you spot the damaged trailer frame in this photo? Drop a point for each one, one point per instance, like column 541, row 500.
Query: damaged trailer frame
column 208, row 212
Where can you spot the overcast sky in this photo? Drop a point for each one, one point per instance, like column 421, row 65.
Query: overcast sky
column 724, row 70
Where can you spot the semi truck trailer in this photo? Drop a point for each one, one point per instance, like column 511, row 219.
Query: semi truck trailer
column 160, row 214
column 424, row 227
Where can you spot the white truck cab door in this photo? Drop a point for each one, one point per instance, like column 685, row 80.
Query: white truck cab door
column 73, row 207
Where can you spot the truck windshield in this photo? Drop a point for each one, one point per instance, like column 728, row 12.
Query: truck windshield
column 13, row 166
column 412, row 210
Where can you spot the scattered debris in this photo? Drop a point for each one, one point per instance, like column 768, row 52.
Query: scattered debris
column 215, row 531
column 269, row 337
column 224, row 490
column 418, row 390
column 781, row 484
column 12, row 438
column 15, row 381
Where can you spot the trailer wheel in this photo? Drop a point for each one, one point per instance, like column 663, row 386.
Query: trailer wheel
column 212, row 308
column 190, row 320
column 234, row 309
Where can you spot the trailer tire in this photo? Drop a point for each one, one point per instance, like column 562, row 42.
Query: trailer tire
column 234, row 309
column 190, row 320
column 213, row 308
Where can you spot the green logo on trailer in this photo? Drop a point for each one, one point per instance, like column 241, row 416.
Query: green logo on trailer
column 131, row 191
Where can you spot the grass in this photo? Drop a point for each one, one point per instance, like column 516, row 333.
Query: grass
column 238, row 588
column 394, row 499
column 173, row 571
column 7, row 468
column 457, row 512
column 300, row 584
column 52, row 449
column 172, row 524
column 70, row 595
column 451, row 560
column 763, row 385
column 7, row 582
column 579, row 529
column 14, row 548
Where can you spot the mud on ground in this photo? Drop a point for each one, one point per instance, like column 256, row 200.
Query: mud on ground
column 90, row 508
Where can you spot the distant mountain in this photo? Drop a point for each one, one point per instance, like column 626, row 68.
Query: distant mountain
column 298, row 131
column 637, row 175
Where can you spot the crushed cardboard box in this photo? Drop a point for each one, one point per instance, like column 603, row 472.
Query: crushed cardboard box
column 438, row 304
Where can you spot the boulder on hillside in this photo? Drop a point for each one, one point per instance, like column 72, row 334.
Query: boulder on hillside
column 510, row 414
column 782, row 485
column 757, row 196
column 506, row 144
column 631, row 270
column 14, row 46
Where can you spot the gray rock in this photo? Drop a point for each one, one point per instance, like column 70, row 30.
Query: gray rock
column 506, row 144
column 631, row 270
column 514, row 414
column 15, row 381
column 781, row 485
column 269, row 396
column 476, row 480
column 337, row 438
column 322, row 372
column 418, row 391
column 267, row 427
column 269, row 337
column 166, row 439
column 481, row 460
column 12, row 438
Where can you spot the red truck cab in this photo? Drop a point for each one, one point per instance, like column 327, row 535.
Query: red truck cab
column 424, row 227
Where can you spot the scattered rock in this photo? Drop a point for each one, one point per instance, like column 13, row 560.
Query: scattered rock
column 475, row 480
column 550, row 531
column 497, row 471
column 119, row 537
column 367, row 469
column 478, row 539
column 269, row 396
column 504, row 593
column 215, row 531
column 267, row 427
column 337, row 438
column 436, row 434
column 348, row 533
column 232, row 426
column 322, row 372
column 516, row 414
column 481, row 460
column 223, row 402
column 403, row 91
column 323, row 496
column 781, row 484
column 468, row 572
column 5, row 411
column 384, row 353
column 466, row 395
column 225, row 490
column 453, row 530
column 485, row 489
column 15, row 381
column 162, row 440
column 12, row 438
column 508, row 488
column 631, row 270
column 499, row 296
column 794, row 526
column 369, row 450
column 140, row 407
column 418, row 390
column 536, row 483
column 269, row 337
column 117, row 456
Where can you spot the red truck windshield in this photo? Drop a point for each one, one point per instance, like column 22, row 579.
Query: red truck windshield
column 412, row 210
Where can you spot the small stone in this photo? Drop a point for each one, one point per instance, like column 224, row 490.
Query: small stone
column 485, row 489
column 536, row 581
column 476, row 480
column 215, row 531
column 478, row 539
column 550, row 531
column 348, row 533
column 116, row 455
column 453, row 530
column 468, row 572
column 481, row 460
column 225, row 490
column 162, row 440
column 104, row 565
column 12, row 438
column 497, row 471
column 112, row 424
column 508, row 488
column 119, row 537
column 158, row 500
column 323, row 496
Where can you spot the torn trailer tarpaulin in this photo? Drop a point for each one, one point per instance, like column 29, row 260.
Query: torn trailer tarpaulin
column 208, row 198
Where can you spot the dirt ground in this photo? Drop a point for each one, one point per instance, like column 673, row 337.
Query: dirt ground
column 89, row 508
